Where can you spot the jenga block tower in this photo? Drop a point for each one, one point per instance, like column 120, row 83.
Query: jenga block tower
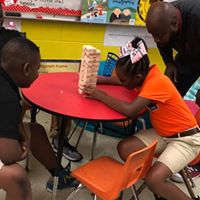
column 89, row 67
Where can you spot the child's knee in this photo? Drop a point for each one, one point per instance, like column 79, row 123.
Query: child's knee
column 151, row 181
column 121, row 147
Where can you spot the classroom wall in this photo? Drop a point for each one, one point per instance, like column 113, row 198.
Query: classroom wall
column 64, row 40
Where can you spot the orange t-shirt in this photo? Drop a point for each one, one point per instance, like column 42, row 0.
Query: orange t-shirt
column 169, row 114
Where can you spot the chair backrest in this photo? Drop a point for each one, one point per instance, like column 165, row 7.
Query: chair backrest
column 110, row 63
column 134, row 169
column 138, row 164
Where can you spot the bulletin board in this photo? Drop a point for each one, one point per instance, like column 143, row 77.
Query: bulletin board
column 41, row 8
column 123, row 12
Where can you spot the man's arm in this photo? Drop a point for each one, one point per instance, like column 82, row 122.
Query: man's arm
column 167, row 56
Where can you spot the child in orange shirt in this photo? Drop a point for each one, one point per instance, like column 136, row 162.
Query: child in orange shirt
column 174, row 126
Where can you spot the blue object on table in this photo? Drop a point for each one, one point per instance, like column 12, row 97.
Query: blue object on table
column 101, row 68
column 110, row 64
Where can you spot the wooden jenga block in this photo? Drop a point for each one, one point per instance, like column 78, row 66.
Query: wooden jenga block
column 90, row 59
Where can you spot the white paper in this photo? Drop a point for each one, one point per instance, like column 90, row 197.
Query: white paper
column 118, row 35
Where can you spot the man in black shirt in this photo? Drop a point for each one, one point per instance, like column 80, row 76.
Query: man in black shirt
column 20, row 62
column 176, row 26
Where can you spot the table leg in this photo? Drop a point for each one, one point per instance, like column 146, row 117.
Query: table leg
column 33, row 114
column 96, row 129
column 81, row 133
column 62, row 127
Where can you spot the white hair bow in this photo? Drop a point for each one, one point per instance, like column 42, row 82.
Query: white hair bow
column 135, row 53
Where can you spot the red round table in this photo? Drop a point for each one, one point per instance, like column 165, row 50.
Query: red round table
column 57, row 93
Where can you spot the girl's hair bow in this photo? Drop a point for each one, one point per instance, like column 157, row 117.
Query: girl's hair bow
column 135, row 53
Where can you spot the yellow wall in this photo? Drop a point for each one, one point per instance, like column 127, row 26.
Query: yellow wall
column 64, row 40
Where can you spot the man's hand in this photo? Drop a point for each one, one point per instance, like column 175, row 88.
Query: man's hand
column 171, row 72
column 25, row 149
column 198, row 97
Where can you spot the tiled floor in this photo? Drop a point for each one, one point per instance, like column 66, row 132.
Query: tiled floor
column 105, row 146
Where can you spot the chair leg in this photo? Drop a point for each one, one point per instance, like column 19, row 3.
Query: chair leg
column 95, row 197
column 141, row 188
column 189, row 177
column 73, row 131
column 74, row 192
column 94, row 139
column 81, row 133
column 101, row 128
column 135, row 196
column 188, row 185
column 120, row 196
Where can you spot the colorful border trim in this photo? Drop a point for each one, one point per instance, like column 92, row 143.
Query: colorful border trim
column 54, row 11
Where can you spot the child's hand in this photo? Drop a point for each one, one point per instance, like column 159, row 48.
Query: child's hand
column 94, row 93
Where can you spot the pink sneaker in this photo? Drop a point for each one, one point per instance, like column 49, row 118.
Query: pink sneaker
column 194, row 173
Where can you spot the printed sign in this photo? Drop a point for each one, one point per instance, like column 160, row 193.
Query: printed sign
column 59, row 66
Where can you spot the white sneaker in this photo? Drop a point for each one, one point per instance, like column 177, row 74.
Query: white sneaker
column 177, row 178
column 194, row 173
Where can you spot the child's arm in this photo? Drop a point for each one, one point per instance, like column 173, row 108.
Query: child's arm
column 10, row 151
column 112, row 80
column 130, row 110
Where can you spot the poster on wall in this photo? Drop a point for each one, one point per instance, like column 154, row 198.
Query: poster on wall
column 127, row 12
column 54, row 7
column 142, row 8
column 48, row 66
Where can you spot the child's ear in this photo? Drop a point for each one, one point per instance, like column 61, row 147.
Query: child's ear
column 26, row 69
column 174, row 24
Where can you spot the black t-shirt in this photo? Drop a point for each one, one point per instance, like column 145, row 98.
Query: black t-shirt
column 10, row 108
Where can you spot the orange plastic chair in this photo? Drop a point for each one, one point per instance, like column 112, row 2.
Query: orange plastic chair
column 107, row 177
